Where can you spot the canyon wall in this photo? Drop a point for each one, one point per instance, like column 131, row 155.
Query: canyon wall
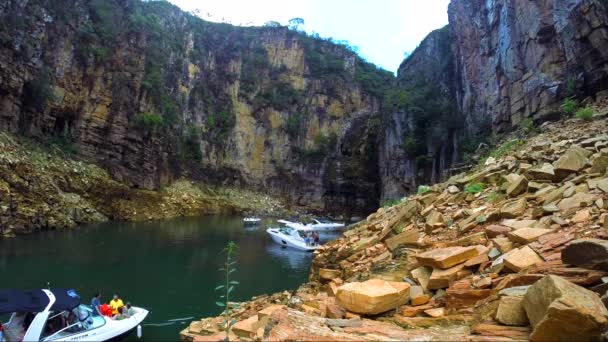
column 152, row 94
column 420, row 139
column 497, row 63
column 519, row 59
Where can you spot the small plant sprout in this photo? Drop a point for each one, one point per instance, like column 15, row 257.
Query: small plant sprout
column 585, row 114
column 423, row 189
column 569, row 106
column 474, row 188
column 228, row 287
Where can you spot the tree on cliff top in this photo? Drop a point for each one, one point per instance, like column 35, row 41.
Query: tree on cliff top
column 295, row 23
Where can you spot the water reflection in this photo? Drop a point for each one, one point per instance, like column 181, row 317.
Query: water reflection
column 289, row 257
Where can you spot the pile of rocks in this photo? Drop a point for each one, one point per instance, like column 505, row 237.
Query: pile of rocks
column 515, row 249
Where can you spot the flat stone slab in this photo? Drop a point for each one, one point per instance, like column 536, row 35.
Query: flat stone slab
column 408, row 236
column 502, row 244
column 462, row 298
column 496, row 231
column 514, row 209
column 446, row 257
column 246, row 328
column 522, row 258
column 440, row 278
column 327, row 274
column 527, row 235
column 580, row 199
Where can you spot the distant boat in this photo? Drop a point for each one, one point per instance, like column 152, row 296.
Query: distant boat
column 318, row 224
column 57, row 315
column 252, row 220
column 290, row 237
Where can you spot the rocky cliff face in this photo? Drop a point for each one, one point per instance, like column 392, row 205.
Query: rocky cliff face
column 421, row 136
column 496, row 64
column 152, row 93
column 518, row 59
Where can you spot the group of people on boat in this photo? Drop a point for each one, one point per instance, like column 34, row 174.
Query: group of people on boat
column 312, row 238
column 115, row 309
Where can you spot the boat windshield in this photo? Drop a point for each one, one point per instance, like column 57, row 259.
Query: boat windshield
column 286, row 230
column 67, row 323
column 323, row 220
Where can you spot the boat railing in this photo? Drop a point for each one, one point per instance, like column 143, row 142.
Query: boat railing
column 65, row 331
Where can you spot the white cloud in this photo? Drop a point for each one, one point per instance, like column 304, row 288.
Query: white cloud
column 382, row 29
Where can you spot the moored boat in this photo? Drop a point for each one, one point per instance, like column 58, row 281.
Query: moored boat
column 317, row 224
column 57, row 315
column 290, row 237
column 252, row 220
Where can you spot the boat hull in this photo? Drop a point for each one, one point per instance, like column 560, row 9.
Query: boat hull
column 287, row 241
column 111, row 331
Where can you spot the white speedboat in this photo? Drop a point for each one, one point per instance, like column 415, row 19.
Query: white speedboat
column 318, row 224
column 252, row 220
column 324, row 224
column 57, row 315
column 290, row 237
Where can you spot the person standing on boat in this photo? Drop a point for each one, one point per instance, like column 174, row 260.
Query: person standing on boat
column 315, row 237
column 308, row 239
column 116, row 303
column 96, row 303
column 1, row 330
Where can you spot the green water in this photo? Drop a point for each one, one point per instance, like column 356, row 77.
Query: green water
column 169, row 267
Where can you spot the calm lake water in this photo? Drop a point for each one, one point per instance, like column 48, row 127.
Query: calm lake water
column 169, row 267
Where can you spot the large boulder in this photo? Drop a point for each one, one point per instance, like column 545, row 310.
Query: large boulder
column 589, row 253
column 373, row 296
column 573, row 160
column 561, row 311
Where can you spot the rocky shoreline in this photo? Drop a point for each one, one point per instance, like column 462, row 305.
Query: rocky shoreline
column 47, row 188
column 515, row 249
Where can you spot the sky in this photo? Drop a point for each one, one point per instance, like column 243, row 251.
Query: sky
column 383, row 30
